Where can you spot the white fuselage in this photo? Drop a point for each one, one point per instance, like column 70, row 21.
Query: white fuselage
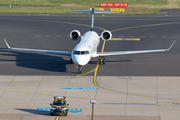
column 82, row 53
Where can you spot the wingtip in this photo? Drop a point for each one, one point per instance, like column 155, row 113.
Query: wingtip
column 7, row 43
column 171, row 45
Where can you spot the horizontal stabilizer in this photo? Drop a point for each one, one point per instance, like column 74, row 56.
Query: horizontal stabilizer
column 95, row 11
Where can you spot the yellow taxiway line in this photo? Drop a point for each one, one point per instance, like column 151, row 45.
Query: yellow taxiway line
column 128, row 39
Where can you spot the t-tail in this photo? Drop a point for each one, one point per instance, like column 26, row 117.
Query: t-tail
column 93, row 11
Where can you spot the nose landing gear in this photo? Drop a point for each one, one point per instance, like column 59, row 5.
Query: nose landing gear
column 79, row 69
column 101, row 61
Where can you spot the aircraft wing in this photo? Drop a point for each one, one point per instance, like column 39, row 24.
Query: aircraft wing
column 100, row 54
column 42, row 51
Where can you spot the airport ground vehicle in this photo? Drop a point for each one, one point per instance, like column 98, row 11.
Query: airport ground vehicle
column 59, row 106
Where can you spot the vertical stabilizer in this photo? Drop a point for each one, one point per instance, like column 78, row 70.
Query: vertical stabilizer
column 92, row 24
column 93, row 11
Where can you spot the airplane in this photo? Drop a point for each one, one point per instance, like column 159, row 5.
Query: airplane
column 87, row 46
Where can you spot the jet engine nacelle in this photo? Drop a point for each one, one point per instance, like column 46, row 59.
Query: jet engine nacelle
column 106, row 35
column 75, row 34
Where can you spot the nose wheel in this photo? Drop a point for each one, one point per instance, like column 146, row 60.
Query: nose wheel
column 79, row 69
column 102, row 60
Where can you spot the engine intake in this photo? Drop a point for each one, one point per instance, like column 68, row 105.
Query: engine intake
column 106, row 35
column 75, row 34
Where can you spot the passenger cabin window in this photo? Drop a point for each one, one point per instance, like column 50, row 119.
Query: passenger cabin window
column 81, row 52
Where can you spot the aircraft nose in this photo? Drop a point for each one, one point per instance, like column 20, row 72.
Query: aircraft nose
column 77, row 60
column 80, row 60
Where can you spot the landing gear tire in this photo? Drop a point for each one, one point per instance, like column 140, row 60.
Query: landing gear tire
column 80, row 69
column 66, row 113
column 102, row 61
column 51, row 114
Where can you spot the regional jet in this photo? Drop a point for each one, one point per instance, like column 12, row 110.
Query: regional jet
column 87, row 47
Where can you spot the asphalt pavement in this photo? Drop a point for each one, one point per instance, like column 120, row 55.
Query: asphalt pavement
column 52, row 33
column 128, row 87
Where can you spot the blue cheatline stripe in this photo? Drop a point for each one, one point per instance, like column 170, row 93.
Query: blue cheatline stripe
column 49, row 109
column 81, row 88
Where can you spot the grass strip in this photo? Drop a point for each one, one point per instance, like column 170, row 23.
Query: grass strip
column 33, row 10
column 82, row 2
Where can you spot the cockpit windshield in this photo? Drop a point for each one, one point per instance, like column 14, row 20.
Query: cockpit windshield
column 81, row 52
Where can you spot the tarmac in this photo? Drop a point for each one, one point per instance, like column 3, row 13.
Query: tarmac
column 119, row 97
column 130, row 87
column 52, row 33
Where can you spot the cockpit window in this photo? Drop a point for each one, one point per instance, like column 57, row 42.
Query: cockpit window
column 87, row 52
column 81, row 52
column 76, row 52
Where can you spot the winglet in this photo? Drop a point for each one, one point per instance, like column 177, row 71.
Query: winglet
column 171, row 45
column 7, row 43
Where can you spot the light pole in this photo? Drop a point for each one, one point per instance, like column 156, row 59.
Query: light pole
column 92, row 102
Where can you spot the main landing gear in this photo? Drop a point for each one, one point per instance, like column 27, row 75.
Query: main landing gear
column 102, row 60
column 79, row 69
